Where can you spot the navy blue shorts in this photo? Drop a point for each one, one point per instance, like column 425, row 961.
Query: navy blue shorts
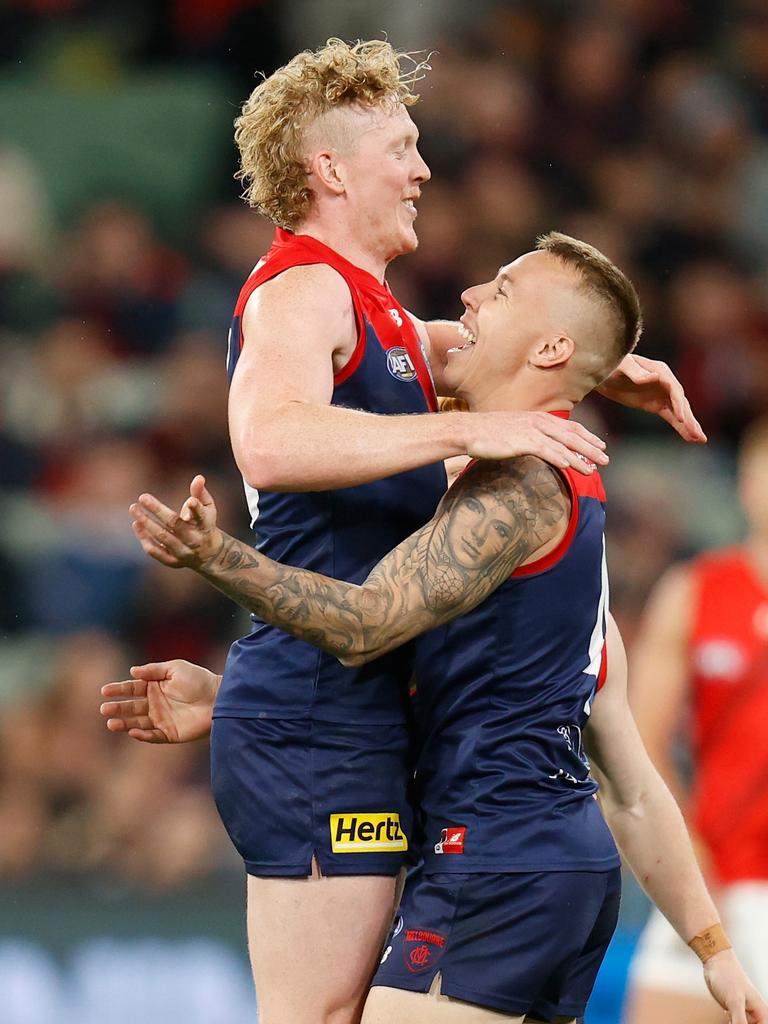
column 291, row 789
column 527, row 943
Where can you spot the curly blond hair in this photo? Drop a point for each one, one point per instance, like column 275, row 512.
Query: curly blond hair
column 270, row 131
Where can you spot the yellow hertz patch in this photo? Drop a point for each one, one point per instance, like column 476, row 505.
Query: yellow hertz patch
column 367, row 833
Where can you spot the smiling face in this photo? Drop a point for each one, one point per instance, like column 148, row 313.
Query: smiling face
column 529, row 301
column 379, row 171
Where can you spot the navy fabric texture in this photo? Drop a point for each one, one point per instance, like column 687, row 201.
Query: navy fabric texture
column 520, row 943
column 288, row 790
column 503, row 695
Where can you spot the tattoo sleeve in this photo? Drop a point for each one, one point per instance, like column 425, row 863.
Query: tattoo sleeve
column 492, row 520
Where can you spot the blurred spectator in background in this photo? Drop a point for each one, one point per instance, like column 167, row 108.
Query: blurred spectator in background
column 116, row 275
column 69, row 802
column 700, row 670
column 229, row 242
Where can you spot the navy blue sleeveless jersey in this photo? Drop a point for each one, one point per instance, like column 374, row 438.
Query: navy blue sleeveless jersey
column 341, row 533
column 502, row 696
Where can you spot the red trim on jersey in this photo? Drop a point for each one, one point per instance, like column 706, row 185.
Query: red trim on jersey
column 413, row 347
column 579, row 486
column 357, row 356
column 588, row 486
column 602, row 675
column 314, row 253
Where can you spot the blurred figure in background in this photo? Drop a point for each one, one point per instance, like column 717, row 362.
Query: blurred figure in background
column 69, row 802
column 703, row 647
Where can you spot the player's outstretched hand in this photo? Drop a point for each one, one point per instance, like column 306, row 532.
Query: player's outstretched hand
column 187, row 539
column 166, row 702
column 733, row 990
column 650, row 385
column 564, row 443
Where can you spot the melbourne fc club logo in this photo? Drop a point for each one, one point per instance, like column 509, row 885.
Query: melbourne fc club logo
column 399, row 364
column 422, row 949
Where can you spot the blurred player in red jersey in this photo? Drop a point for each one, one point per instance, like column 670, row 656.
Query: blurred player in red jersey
column 701, row 665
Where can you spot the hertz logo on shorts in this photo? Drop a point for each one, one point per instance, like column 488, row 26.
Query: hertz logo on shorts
column 367, row 833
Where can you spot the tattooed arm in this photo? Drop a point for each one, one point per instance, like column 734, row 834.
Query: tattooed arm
column 493, row 519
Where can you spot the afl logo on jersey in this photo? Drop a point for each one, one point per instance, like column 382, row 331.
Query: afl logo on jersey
column 399, row 364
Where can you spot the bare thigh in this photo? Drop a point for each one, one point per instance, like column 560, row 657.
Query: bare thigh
column 315, row 943
column 659, row 1006
column 386, row 1005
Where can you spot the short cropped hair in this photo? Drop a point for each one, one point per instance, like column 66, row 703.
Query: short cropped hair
column 604, row 280
column 271, row 128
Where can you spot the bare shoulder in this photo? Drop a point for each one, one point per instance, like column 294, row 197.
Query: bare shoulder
column 316, row 281
column 302, row 298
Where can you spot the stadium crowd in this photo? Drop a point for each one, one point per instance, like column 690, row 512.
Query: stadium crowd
column 638, row 125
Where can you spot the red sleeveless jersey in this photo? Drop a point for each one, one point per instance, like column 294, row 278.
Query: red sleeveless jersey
column 729, row 670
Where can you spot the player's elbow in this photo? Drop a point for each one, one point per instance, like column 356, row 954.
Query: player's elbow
column 625, row 807
column 361, row 651
column 369, row 650
column 265, row 468
column 259, row 475
column 354, row 659
column 361, row 656
column 265, row 458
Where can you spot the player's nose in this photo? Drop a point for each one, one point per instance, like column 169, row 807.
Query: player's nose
column 421, row 170
column 471, row 297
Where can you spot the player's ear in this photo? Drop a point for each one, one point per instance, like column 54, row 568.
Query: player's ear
column 552, row 351
column 324, row 166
